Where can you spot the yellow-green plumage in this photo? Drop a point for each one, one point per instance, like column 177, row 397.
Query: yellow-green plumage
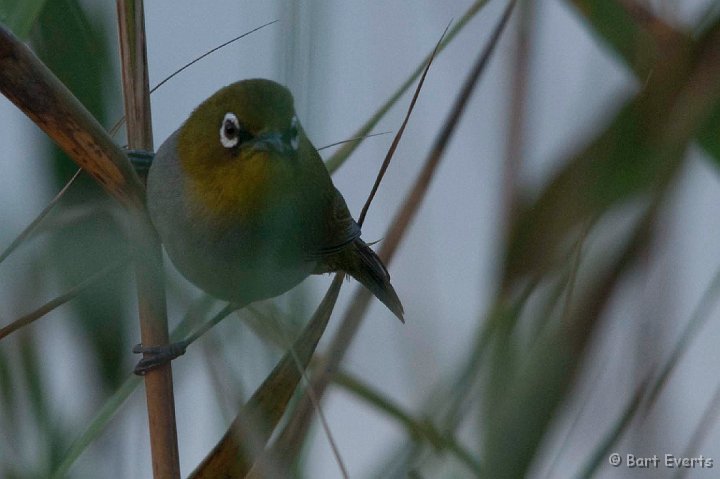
column 245, row 206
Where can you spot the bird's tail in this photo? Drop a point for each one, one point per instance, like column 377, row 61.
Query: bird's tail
column 369, row 270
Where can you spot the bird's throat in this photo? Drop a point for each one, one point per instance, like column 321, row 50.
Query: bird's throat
column 236, row 189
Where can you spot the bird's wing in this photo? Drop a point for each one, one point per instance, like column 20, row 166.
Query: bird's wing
column 340, row 228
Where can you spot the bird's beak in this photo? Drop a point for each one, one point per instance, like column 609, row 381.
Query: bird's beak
column 272, row 141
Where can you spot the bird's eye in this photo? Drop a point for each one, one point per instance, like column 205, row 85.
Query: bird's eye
column 294, row 134
column 230, row 131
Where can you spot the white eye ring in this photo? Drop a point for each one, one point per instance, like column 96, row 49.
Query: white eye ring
column 229, row 131
column 294, row 134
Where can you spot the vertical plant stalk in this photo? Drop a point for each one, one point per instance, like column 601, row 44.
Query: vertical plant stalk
column 146, row 246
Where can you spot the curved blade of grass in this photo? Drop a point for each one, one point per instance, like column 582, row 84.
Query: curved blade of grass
column 699, row 317
column 60, row 300
column 24, row 234
column 336, row 160
column 649, row 391
column 112, row 405
column 707, row 421
column 420, row 429
column 638, row 153
column 640, row 38
column 514, row 431
column 291, row 438
column 579, row 414
column 97, row 425
column 396, row 141
column 210, row 52
column 267, row 405
column 272, row 329
column 120, row 122
column 357, row 138
column 634, row 35
column 602, row 451
column 312, row 399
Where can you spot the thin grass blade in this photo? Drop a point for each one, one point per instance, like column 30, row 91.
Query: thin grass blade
column 291, row 438
column 229, row 458
column 336, row 160
column 399, row 134
column 30, row 229
column 62, row 299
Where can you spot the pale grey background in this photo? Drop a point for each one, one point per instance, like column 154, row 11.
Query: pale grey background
column 343, row 59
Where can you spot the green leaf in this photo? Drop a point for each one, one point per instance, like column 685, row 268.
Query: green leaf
column 71, row 42
column 97, row 425
column 20, row 15
column 636, row 154
column 709, row 137
column 256, row 420
column 635, row 157
column 613, row 24
column 534, row 389
column 417, row 428
column 639, row 42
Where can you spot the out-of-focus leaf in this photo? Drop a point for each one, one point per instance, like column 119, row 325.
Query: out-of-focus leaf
column 250, row 430
column 417, row 428
column 77, row 51
column 58, row 301
column 518, row 417
column 290, row 440
column 649, row 389
column 709, row 137
column 96, row 427
column 640, row 39
column 603, row 450
column 11, row 398
column 636, row 154
column 40, row 410
column 110, row 407
column 636, row 37
column 20, row 15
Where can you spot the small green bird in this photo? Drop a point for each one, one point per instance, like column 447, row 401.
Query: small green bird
column 245, row 207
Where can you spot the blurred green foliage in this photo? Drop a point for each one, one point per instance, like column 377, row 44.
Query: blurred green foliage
column 75, row 47
column 21, row 15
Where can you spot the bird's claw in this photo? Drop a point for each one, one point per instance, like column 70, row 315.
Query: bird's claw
column 140, row 159
column 156, row 356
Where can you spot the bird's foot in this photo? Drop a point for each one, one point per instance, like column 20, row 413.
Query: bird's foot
column 141, row 160
column 155, row 356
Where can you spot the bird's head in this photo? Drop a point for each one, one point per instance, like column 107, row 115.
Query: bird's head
column 239, row 148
